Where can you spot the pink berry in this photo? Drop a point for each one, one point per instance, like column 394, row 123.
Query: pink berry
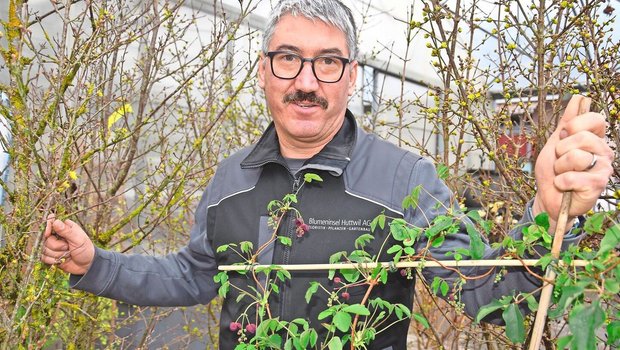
column 250, row 328
column 234, row 326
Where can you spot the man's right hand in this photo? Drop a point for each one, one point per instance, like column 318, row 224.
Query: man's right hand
column 67, row 246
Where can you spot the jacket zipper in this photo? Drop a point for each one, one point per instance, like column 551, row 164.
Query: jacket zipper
column 290, row 230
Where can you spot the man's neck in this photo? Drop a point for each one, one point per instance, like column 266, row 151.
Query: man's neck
column 299, row 151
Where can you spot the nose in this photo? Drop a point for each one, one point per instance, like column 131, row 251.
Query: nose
column 306, row 81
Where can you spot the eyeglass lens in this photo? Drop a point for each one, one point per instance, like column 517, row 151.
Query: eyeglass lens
column 328, row 69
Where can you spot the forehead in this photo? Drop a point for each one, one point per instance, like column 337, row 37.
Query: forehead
column 307, row 36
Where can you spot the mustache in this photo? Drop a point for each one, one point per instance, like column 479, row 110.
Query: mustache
column 300, row 96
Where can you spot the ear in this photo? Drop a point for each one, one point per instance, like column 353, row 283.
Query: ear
column 352, row 77
column 262, row 61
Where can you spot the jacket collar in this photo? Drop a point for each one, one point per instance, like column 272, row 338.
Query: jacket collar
column 334, row 157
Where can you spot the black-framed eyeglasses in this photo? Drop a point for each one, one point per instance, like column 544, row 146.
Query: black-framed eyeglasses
column 288, row 65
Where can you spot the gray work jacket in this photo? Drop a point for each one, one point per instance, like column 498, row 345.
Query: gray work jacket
column 363, row 176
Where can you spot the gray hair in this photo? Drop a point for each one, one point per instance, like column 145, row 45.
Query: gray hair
column 332, row 12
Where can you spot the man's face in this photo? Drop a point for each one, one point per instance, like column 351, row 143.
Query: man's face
column 302, row 120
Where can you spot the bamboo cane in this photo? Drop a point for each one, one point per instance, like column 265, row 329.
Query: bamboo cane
column 547, row 289
column 402, row 264
column 558, row 237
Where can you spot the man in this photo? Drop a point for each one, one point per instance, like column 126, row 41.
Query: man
column 308, row 71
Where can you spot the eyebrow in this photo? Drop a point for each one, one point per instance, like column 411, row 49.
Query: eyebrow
column 292, row 48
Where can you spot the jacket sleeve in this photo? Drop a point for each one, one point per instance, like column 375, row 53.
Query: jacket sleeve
column 434, row 200
column 179, row 279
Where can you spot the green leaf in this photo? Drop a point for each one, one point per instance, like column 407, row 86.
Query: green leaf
column 362, row 240
column 384, row 276
column 359, row 256
column 474, row 215
column 314, row 337
column 594, row 223
column 379, row 220
column 612, row 285
column 532, row 304
column 439, row 285
column 272, row 204
column 545, row 261
column 335, row 344
column 283, row 275
column 610, row 241
column 476, row 245
column 569, row 293
column 350, row 275
column 438, row 241
column 443, row 171
column 221, row 277
column 399, row 313
column 222, row 248
column 240, row 297
column 335, row 258
column 287, row 241
column 421, row 319
column 289, row 344
column 563, row 342
column 291, row 198
column 342, row 320
column 300, row 321
column 395, row 248
column 309, row 177
column 515, row 330
column 357, row 309
column 409, row 250
column 247, row 246
column 487, row 309
column 583, row 321
column 440, row 224
column 411, row 201
column 223, row 290
column 404, row 309
column 398, row 229
column 326, row 313
column 275, row 341
column 369, row 335
column 314, row 286
column 613, row 333
column 542, row 219
column 306, row 338
column 444, row 287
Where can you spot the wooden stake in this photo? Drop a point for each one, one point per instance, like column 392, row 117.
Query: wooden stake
column 558, row 237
